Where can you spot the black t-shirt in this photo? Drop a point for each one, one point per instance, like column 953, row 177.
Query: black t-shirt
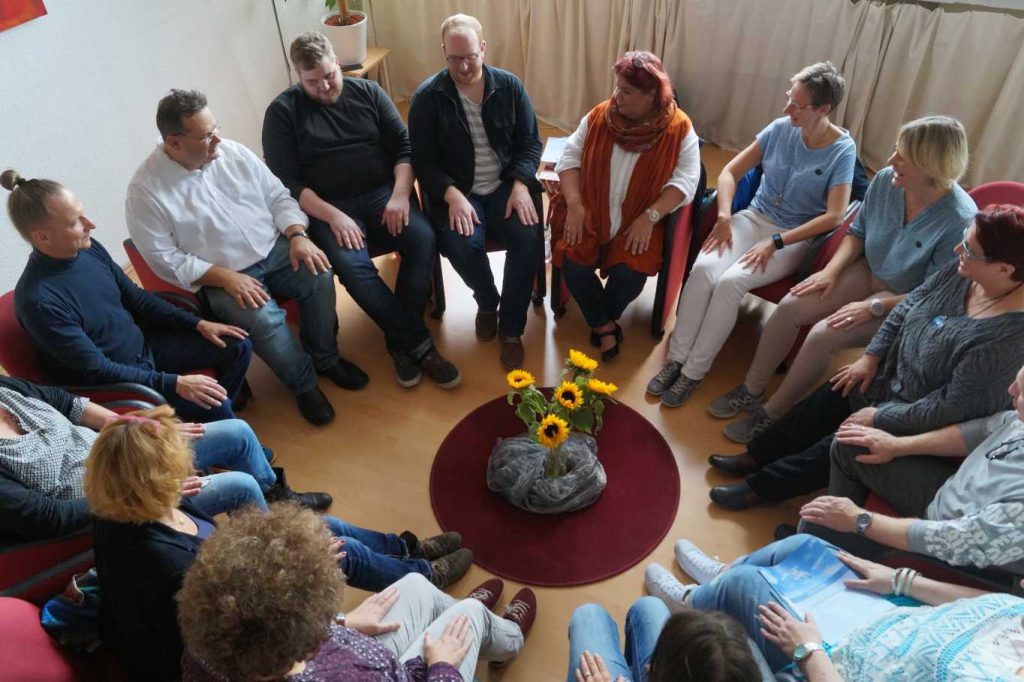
column 337, row 150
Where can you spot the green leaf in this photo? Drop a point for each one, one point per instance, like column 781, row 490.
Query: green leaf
column 583, row 420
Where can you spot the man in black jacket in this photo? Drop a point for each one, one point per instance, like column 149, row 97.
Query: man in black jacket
column 475, row 150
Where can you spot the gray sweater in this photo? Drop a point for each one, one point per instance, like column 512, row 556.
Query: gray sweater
column 977, row 516
column 939, row 366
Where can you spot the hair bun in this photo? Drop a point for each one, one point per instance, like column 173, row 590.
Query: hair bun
column 10, row 179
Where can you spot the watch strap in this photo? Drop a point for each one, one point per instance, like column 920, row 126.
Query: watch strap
column 777, row 240
column 300, row 233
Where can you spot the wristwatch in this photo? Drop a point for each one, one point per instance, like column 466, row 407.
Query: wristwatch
column 300, row 233
column 653, row 214
column 777, row 240
column 864, row 520
column 877, row 307
column 802, row 651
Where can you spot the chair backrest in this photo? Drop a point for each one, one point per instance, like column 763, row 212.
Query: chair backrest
column 149, row 279
column 18, row 355
column 1002, row 192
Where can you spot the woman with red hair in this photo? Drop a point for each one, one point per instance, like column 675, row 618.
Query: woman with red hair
column 633, row 160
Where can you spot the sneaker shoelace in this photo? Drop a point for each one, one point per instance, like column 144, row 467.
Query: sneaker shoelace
column 481, row 594
column 667, row 372
column 517, row 610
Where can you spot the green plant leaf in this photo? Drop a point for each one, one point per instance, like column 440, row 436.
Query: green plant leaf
column 582, row 420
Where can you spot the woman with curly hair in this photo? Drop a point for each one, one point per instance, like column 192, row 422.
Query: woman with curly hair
column 146, row 536
column 261, row 600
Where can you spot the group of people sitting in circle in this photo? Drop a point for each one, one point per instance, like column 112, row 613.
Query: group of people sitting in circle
column 931, row 284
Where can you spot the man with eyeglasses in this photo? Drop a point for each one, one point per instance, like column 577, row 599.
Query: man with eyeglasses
column 966, row 513
column 476, row 149
column 340, row 147
column 209, row 216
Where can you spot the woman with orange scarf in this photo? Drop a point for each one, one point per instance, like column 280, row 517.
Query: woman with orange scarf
column 633, row 160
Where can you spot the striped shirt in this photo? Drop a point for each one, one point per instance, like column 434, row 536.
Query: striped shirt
column 487, row 169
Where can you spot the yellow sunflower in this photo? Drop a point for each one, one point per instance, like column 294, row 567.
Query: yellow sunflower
column 582, row 361
column 519, row 379
column 569, row 395
column 601, row 387
column 552, row 431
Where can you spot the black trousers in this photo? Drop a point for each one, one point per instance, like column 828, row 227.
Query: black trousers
column 794, row 452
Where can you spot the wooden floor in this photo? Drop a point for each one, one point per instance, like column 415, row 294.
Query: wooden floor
column 375, row 457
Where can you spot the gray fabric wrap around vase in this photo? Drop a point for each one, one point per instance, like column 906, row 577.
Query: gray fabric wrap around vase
column 515, row 471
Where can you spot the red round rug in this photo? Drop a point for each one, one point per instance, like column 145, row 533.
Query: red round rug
column 627, row 522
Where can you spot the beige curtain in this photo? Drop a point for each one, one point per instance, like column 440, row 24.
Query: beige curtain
column 731, row 61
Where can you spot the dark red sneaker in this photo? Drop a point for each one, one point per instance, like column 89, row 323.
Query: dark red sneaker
column 488, row 592
column 522, row 610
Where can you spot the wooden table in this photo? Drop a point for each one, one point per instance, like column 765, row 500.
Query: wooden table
column 375, row 57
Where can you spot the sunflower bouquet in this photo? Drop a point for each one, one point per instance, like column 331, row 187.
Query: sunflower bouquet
column 577, row 403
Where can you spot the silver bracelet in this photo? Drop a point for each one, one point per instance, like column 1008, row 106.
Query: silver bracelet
column 910, row 581
column 895, row 577
column 901, row 581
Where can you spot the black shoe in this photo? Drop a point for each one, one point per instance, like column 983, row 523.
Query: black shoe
column 595, row 338
column 735, row 465
column 612, row 352
column 784, row 530
column 440, row 370
column 318, row 502
column 486, row 325
column 736, row 496
column 243, row 397
column 433, row 547
column 315, row 407
column 407, row 370
column 449, row 568
column 346, row 374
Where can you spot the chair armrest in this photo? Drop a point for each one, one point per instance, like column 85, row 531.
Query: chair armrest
column 118, row 392
column 182, row 301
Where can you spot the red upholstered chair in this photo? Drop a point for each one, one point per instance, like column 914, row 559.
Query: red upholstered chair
column 35, row 571
column 27, row 652
column 676, row 259
column 1002, row 192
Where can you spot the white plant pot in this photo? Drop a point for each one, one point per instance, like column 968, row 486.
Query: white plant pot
column 349, row 41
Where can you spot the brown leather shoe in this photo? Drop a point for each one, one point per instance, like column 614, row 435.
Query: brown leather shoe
column 451, row 567
column 512, row 352
column 486, row 325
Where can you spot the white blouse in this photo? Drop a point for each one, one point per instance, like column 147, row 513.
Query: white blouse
column 685, row 176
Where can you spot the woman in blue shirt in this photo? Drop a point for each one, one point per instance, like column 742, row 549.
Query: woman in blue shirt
column 808, row 172
column 913, row 215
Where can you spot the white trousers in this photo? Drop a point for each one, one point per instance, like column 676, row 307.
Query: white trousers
column 421, row 607
column 716, row 285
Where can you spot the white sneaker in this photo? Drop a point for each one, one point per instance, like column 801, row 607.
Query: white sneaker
column 696, row 563
column 662, row 584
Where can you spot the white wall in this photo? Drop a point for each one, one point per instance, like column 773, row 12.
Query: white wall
column 79, row 88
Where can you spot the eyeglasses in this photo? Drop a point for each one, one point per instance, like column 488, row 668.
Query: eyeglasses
column 791, row 103
column 207, row 138
column 968, row 254
column 470, row 59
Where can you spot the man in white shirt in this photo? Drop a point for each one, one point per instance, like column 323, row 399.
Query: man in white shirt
column 209, row 216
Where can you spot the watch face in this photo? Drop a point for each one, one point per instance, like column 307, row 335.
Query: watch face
column 800, row 652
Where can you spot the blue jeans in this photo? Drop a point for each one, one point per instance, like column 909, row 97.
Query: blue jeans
column 739, row 590
column 373, row 560
column 468, row 256
column 227, row 492
column 398, row 314
column 231, row 444
column 592, row 629
column 181, row 352
column 601, row 305
column 267, row 327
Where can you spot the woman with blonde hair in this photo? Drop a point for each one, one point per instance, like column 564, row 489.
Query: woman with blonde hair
column 146, row 536
column 913, row 215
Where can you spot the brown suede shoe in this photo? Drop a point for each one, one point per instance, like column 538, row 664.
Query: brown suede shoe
column 449, row 568
column 486, row 325
column 512, row 352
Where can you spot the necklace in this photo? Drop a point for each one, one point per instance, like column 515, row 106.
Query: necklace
column 992, row 301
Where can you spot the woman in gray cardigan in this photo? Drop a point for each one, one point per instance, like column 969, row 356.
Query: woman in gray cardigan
column 943, row 356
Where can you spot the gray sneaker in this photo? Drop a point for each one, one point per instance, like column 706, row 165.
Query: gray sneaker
column 750, row 427
column 729, row 405
column 440, row 369
column 696, row 563
column 680, row 391
column 665, row 378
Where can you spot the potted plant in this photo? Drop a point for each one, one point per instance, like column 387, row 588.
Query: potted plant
column 346, row 30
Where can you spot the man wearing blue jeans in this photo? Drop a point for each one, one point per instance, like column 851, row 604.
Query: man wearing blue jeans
column 475, row 149
column 592, row 629
column 341, row 149
column 207, row 214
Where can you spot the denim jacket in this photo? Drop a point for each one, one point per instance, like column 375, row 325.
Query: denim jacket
column 442, row 149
